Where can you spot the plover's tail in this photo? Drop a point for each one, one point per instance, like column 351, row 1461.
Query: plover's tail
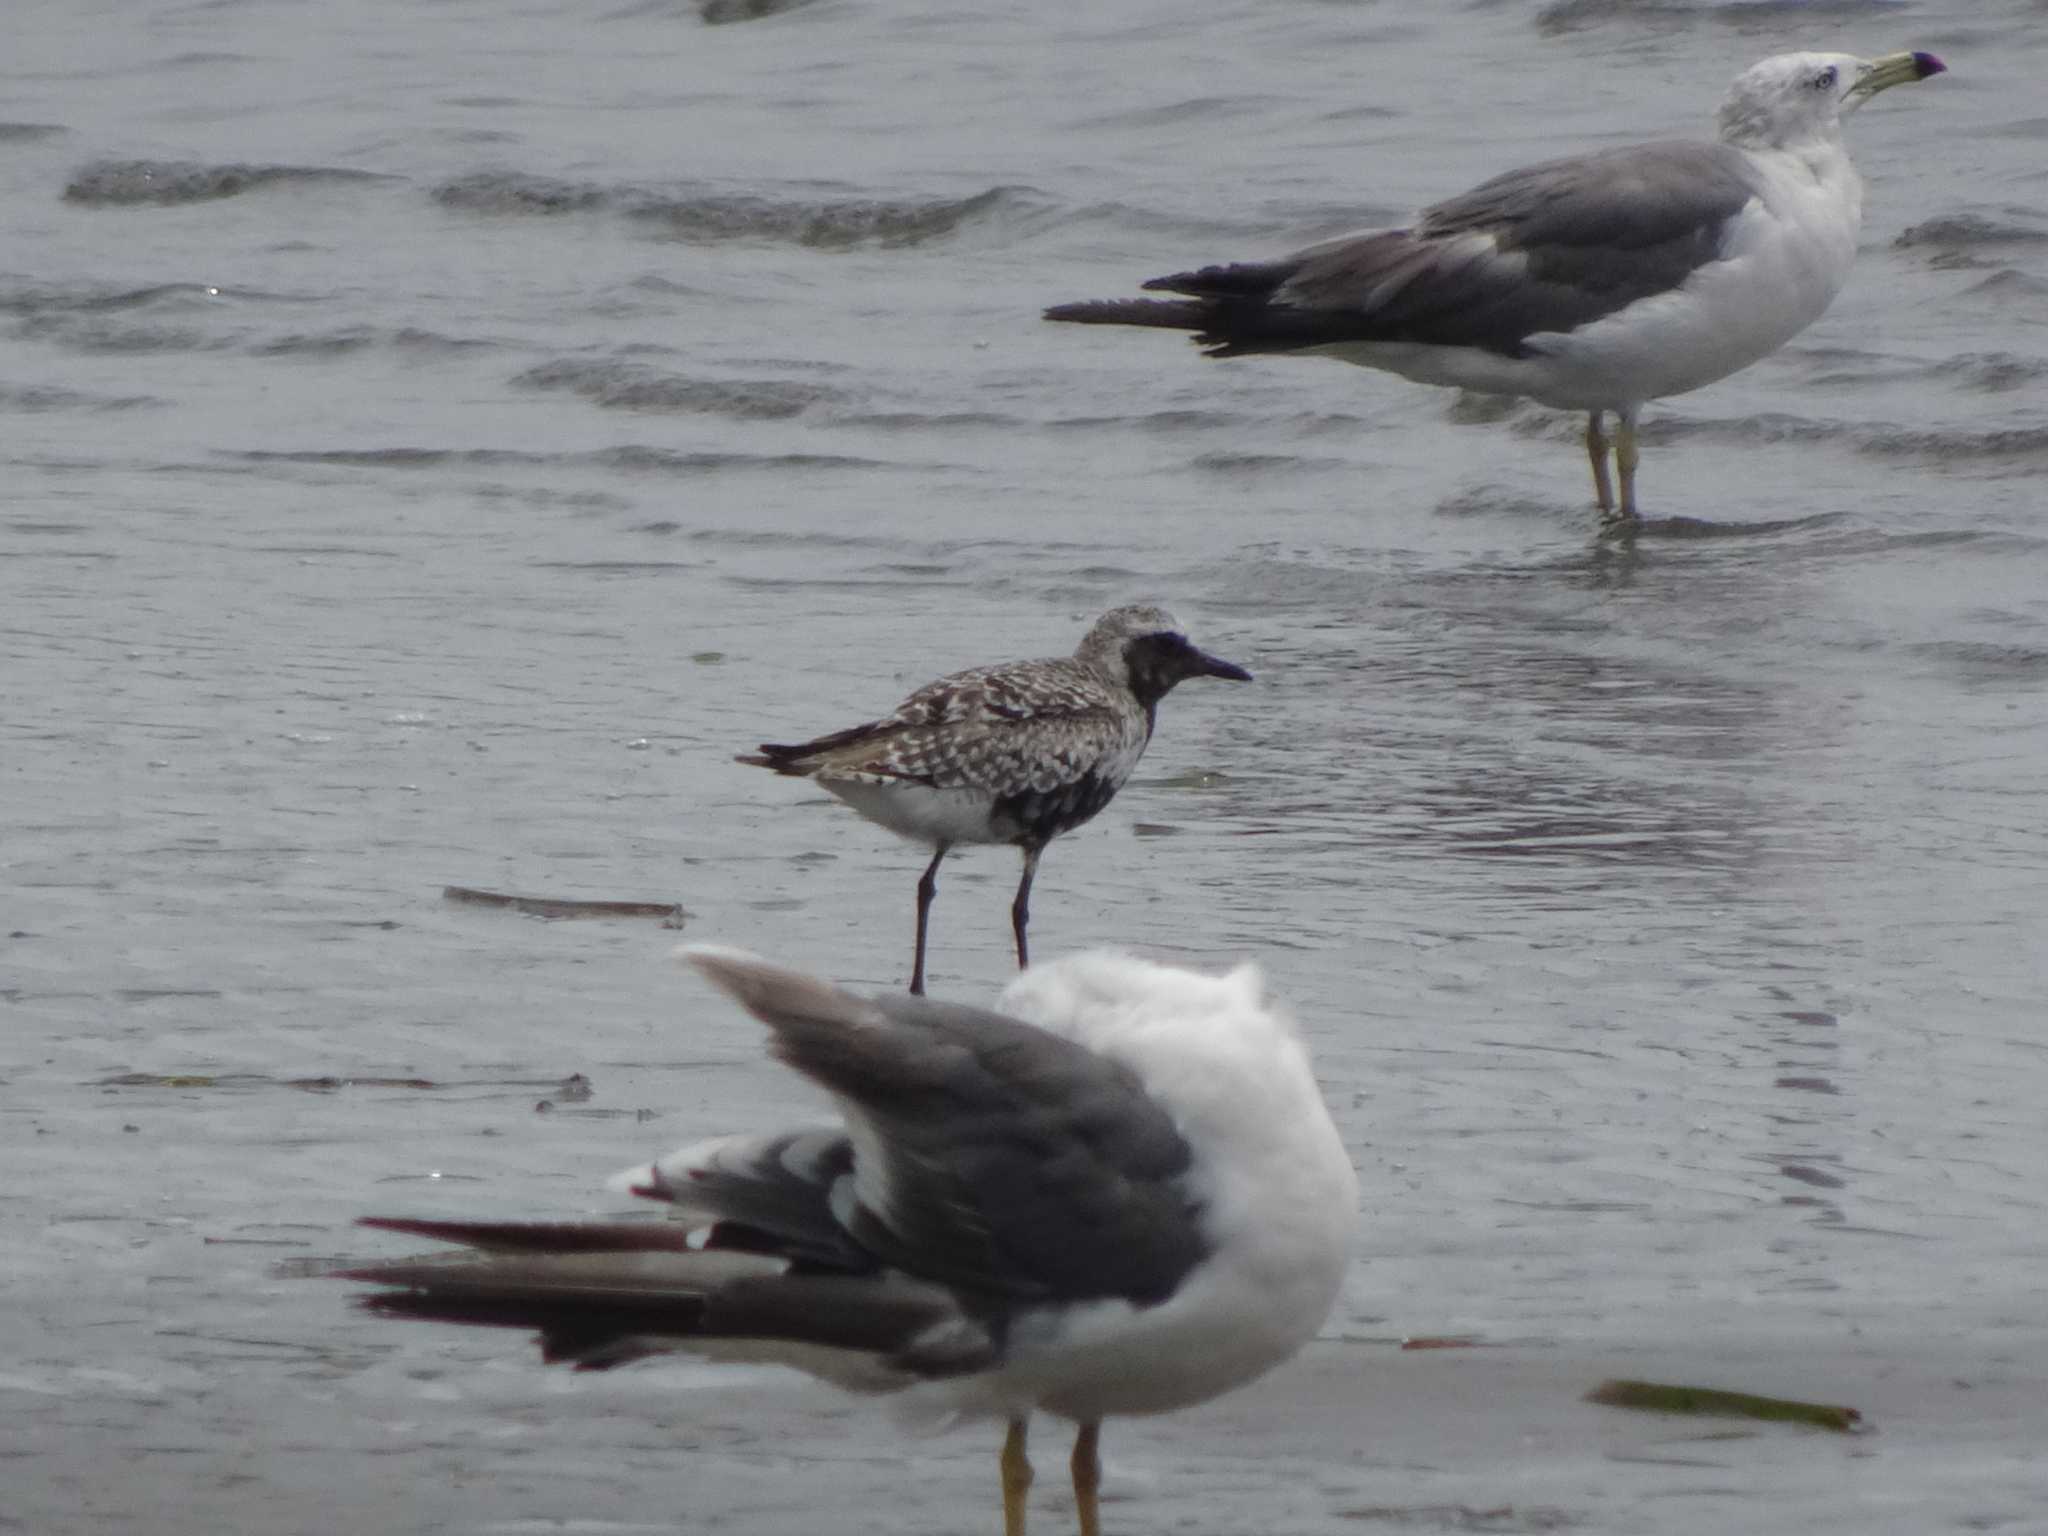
column 801, row 759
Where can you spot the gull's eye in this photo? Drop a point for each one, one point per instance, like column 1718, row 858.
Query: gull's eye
column 1825, row 80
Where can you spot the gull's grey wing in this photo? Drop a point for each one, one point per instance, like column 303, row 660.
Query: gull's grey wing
column 1543, row 249
column 989, row 1156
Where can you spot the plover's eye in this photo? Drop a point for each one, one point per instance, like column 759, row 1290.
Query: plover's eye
column 1825, row 80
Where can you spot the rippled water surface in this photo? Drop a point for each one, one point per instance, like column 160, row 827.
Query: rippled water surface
column 437, row 437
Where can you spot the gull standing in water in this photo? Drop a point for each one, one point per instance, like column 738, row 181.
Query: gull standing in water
column 1015, row 753
column 1593, row 283
column 1120, row 1194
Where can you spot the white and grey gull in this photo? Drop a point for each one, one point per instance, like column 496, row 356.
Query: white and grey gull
column 1119, row 1193
column 1018, row 752
column 1593, row 283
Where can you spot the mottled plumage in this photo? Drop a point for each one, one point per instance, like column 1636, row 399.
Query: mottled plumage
column 1592, row 283
column 1119, row 1194
column 1018, row 752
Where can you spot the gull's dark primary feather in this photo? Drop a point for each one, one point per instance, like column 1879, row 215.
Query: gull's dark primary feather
column 599, row 1306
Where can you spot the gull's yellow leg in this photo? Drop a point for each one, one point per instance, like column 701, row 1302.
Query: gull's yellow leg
column 1596, row 451
column 1625, row 461
column 1088, row 1477
column 1016, row 1479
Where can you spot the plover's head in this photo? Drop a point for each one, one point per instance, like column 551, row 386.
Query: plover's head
column 1146, row 648
column 1796, row 97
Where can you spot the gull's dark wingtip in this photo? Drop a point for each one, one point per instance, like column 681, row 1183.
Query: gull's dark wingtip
column 1162, row 314
column 1925, row 64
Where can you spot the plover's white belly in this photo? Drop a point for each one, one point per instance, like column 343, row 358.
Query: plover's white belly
column 925, row 814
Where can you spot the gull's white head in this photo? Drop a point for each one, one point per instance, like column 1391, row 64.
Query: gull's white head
column 1794, row 98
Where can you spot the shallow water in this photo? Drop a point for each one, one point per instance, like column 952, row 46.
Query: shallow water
column 438, row 438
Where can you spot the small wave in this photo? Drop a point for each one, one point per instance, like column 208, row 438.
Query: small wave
column 831, row 223
column 1993, row 373
column 1172, row 422
column 713, row 13
column 48, row 298
column 1203, row 109
column 318, row 343
column 107, row 335
column 1875, row 438
column 1766, row 428
column 129, row 183
column 1955, row 230
column 723, row 13
column 1990, row 373
column 2008, row 285
column 1260, row 463
column 1576, row 15
column 507, row 192
column 1980, row 661
column 772, row 538
column 1947, row 445
column 629, row 456
column 33, row 397
column 414, row 338
column 637, row 387
column 932, row 421
column 23, row 133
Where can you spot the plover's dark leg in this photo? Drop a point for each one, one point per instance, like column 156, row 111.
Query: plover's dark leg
column 927, row 888
column 1020, row 909
column 1016, row 1478
column 1088, row 1477
column 1596, row 451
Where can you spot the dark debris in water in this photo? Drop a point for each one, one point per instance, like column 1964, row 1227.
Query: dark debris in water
column 573, row 1089
column 255, row 1080
column 1461, row 1517
column 720, row 13
column 1660, row 1397
column 1961, row 229
column 671, row 914
column 164, row 183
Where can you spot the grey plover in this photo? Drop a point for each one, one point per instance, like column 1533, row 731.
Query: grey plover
column 1015, row 753
column 1121, row 1193
column 1590, row 284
